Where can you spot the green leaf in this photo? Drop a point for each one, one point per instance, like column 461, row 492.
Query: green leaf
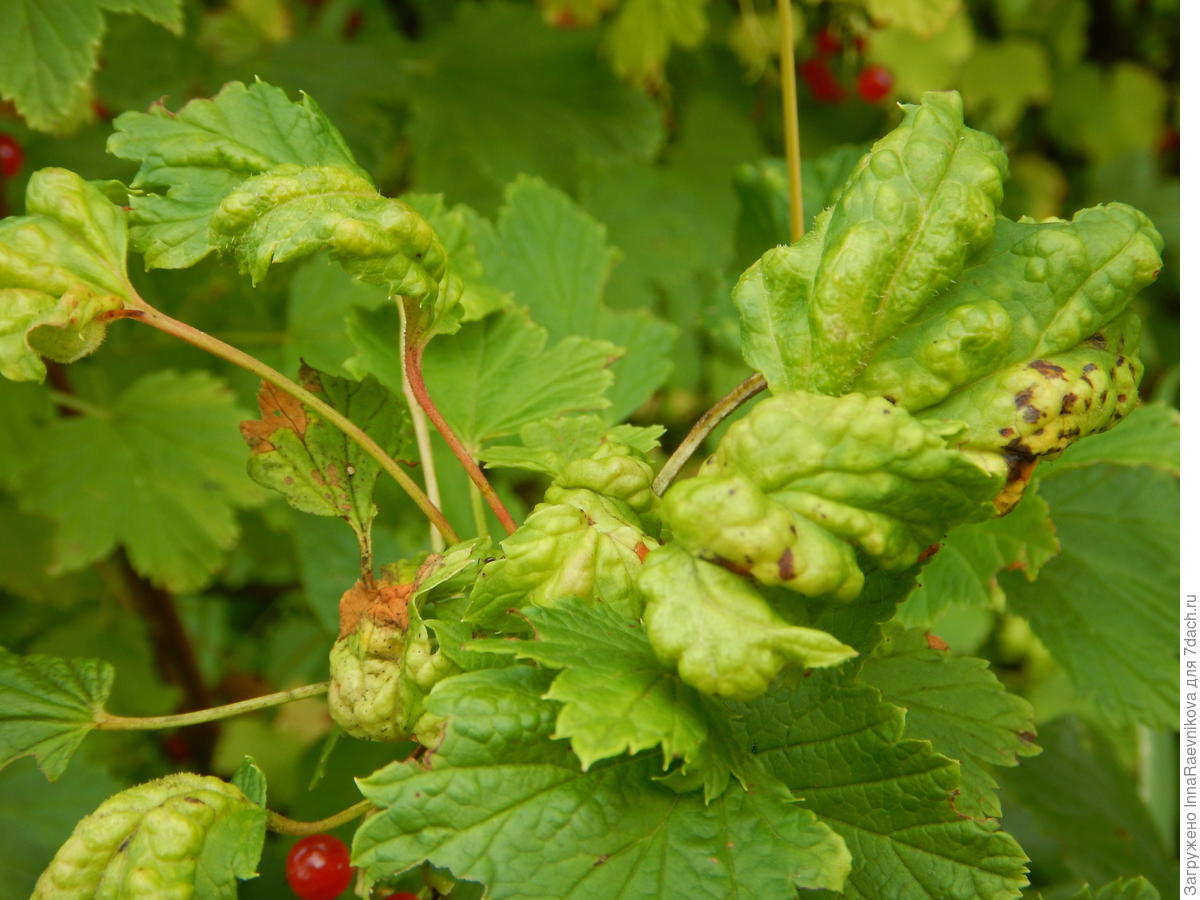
column 27, row 410
column 964, row 569
column 640, row 37
column 469, row 139
column 924, row 63
column 840, row 749
column 160, row 472
column 191, row 160
column 720, row 633
column 901, row 230
column 62, row 269
column 957, row 704
column 1121, row 889
column 1135, row 96
column 496, row 779
column 314, row 464
column 1001, row 80
column 618, row 698
column 50, row 49
column 550, row 445
column 804, row 479
column 1104, row 606
column 251, row 781
column 185, row 835
column 922, row 17
column 1149, row 437
column 554, row 258
column 1084, row 803
column 48, row 706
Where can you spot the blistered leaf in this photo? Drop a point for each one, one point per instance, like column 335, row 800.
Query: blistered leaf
column 902, row 228
column 191, row 160
column 579, row 545
column 47, row 707
column 1105, row 606
column 803, row 480
column 50, row 50
column 62, row 270
column 312, row 463
column 1148, row 437
column 841, row 750
column 618, row 698
column 720, row 633
column 183, row 835
column 549, row 445
column 160, row 472
column 956, row 703
column 496, row 779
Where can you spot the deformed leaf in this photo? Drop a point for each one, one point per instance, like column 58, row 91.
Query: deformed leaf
column 804, row 480
column 496, row 779
column 618, row 698
column 549, row 445
column 314, row 464
column 183, row 835
column 62, row 269
column 719, row 632
column 1148, row 437
column 47, row 707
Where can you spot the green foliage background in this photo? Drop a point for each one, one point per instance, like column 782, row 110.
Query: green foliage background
column 655, row 126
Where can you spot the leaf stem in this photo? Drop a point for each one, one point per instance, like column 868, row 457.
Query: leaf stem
column 106, row 722
column 421, row 430
column 791, row 117
column 281, row 824
column 78, row 405
column 704, row 426
column 416, row 380
column 197, row 338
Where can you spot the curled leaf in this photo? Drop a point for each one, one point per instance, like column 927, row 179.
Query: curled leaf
column 720, row 633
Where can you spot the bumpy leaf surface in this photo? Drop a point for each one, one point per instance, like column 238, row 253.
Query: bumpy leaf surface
column 1103, row 606
column 840, row 749
column 618, row 698
column 162, row 473
column 550, row 445
column 62, row 267
column 803, row 480
column 50, row 49
column 48, row 706
column 313, row 464
column 1149, row 437
column 497, row 780
column 180, row 836
column 958, row 705
column 191, row 160
column 719, row 632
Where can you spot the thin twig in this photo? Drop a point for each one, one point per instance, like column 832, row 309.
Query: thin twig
column 791, row 117
column 281, row 824
column 704, row 426
column 424, row 445
column 106, row 722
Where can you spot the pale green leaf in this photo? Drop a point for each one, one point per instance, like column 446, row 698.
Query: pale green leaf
column 1121, row 889
column 321, row 295
column 555, row 259
column 956, row 703
column 1136, row 100
column 919, row 64
column 1105, row 607
column 550, row 445
column 641, row 36
column 496, row 779
column 160, row 472
column 1001, row 80
column 922, row 17
column 840, row 749
column 48, row 706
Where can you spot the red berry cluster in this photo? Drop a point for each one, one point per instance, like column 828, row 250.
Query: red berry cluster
column 873, row 83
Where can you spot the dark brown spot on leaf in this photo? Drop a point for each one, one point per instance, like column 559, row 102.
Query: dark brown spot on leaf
column 928, row 552
column 1048, row 369
column 1098, row 341
column 787, row 565
column 1023, row 398
column 1031, row 413
column 641, row 550
column 279, row 412
column 1006, row 432
column 1027, row 736
column 1068, row 403
column 1090, row 367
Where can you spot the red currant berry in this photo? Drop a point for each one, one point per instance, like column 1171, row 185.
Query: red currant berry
column 318, row 867
column 822, row 83
column 874, row 83
column 12, row 156
column 827, row 41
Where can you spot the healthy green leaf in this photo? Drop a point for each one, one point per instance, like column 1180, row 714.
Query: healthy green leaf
column 62, row 269
column 640, row 37
column 1104, row 606
column 957, row 704
column 618, row 698
column 182, row 835
column 191, row 161
column 47, row 707
column 550, row 445
column 314, row 464
column 1137, row 98
column 720, row 633
column 496, row 779
column 1001, row 80
column 840, row 749
column 50, row 49
column 922, row 17
column 160, row 472
column 964, row 569
column 1081, row 799
column 554, row 258
column 804, row 479
column 1121, row 889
